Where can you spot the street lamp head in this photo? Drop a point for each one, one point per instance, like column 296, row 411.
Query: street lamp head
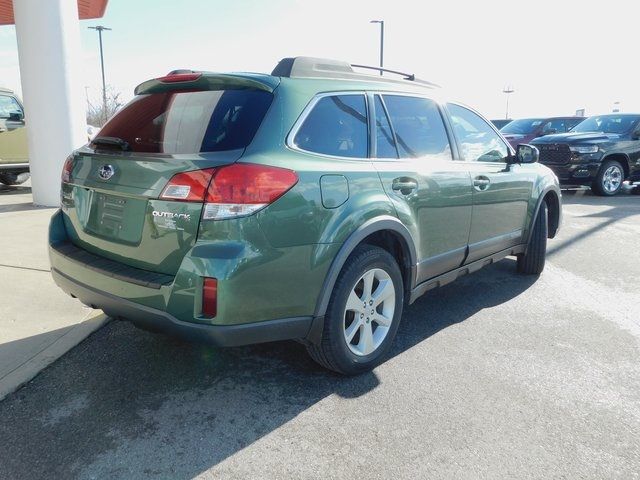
column 376, row 21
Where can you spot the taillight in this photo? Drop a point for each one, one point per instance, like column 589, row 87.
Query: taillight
column 66, row 169
column 188, row 186
column 242, row 189
column 210, row 297
column 233, row 191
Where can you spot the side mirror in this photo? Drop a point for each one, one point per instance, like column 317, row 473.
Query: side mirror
column 16, row 117
column 527, row 154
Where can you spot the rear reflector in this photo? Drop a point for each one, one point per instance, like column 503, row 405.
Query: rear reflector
column 188, row 186
column 210, row 297
column 180, row 77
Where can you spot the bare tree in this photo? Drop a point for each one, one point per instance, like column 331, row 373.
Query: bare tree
column 97, row 114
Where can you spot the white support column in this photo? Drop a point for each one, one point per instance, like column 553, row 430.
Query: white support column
column 48, row 36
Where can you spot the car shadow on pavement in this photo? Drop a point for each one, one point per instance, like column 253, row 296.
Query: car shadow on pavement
column 618, row 207
column 131, row 404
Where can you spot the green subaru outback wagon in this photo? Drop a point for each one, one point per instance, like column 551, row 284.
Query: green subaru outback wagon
column 309, row 204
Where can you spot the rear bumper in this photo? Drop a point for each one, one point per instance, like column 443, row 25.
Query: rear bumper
column 261, row 298
column 154, row 319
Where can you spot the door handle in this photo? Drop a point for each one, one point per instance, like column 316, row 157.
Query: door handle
column 481, row 183
column 404, row 185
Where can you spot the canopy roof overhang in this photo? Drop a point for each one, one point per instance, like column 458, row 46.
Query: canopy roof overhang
column 86, row 9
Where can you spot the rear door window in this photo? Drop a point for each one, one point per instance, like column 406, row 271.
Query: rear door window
column 477, row 139
column 336, row 126
column 418, row 127
column 177, row 122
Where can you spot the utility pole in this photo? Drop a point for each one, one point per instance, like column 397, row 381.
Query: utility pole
column 381, row 22
column 507, row 91
column 100, row 29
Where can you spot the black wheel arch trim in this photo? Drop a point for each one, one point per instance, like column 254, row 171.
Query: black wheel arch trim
column 377, row 224
column 556, row 227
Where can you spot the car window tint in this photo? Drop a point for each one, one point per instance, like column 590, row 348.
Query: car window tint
column 176, row 122
column 478, row 141
column 418, row 127
column 8, row 105
column 337, row 126
column 385, row 144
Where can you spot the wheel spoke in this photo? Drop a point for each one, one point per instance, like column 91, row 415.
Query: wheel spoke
column 383, row 292
column 354, row 303
column 368, row 284
column 381, row 320
column 366, row 339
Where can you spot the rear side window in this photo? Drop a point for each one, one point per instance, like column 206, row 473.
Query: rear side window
column 336, row 126
column 418, row 127
column 478, row 141
column 190, row 121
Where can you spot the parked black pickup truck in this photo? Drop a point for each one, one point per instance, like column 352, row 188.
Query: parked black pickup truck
column 603, row 151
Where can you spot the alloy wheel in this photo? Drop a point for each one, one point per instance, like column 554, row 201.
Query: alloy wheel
column 369, row 312
column 611, row 179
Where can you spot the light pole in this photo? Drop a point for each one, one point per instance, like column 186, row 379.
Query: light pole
column 507, row 91
column 100, row 29
column 381, row 22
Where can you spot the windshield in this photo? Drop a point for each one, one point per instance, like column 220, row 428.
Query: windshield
column 177, row 122
column 607, row 124
column 523, row 126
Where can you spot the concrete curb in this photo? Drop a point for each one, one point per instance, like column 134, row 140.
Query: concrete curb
column 45, row 357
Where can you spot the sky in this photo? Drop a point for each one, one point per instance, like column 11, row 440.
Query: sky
column 558, row 55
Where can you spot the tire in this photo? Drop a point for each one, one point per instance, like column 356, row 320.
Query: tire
column 532, row 261
column 608, row 181
column 14, row 178
column 363, row 352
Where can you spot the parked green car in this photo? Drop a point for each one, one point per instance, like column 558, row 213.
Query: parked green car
column 309, row 204
column 14, row 155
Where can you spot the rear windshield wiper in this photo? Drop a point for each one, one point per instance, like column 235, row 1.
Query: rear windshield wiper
column 111, row 142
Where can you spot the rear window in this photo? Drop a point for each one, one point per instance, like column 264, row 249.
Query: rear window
column 190, row 121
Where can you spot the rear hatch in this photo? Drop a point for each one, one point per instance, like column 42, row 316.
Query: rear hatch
column 115, row 192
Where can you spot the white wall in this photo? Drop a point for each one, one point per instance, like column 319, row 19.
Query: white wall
column 49, row 51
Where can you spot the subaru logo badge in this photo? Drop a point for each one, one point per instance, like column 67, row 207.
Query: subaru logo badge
column 106, row 172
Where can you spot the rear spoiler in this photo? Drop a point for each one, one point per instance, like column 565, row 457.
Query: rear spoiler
column 187, row 79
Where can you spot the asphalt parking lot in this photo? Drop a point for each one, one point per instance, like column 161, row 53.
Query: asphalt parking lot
column 494, row 376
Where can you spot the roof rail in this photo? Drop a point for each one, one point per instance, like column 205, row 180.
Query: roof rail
column 306, row 67
column 407, row 76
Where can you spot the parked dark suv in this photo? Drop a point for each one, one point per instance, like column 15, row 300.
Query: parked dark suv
column 602, row 152
column 526, row 129
column 310, row 204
